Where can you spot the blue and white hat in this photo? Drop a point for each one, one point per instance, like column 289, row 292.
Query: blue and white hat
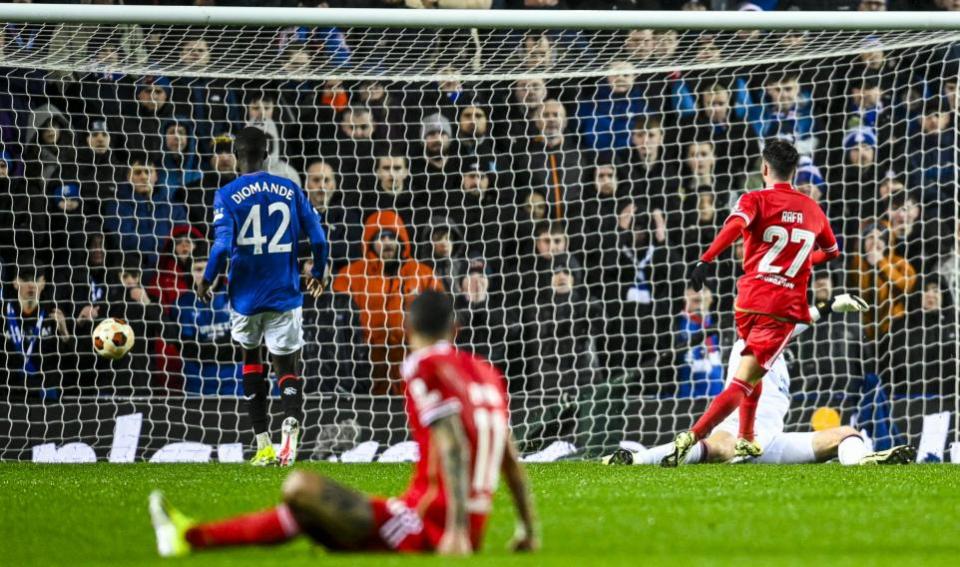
column 808, row 173
column 862, row 135
column 67, row 191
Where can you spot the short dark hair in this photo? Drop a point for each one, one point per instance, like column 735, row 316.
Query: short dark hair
column 251, row 145
column 432, row 315
column 782, row 158
column 549, row 227
column 900, row 199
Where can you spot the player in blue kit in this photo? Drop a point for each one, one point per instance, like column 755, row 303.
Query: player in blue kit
column 258, row 219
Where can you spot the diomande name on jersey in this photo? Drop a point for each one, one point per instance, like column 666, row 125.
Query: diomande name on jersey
column 260, row 187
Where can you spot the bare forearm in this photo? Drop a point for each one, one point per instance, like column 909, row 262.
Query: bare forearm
column 516, row 479
column 455, row 460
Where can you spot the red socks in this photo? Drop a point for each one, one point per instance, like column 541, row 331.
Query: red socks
column 721, row 406
column 748, row 412
column 274, row 525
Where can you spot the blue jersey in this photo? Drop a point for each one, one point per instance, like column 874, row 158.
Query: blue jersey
column 258, row 219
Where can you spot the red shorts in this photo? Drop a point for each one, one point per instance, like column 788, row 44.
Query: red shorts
column 765, row 336
column 397, row 527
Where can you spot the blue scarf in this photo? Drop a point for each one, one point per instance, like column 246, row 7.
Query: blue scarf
column 23, row 344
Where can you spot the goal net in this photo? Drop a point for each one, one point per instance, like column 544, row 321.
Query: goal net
column 557, row 182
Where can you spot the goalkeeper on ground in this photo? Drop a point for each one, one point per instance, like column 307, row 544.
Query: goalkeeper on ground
column 843, row 443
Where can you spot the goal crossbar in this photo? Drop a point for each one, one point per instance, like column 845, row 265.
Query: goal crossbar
column 488, row 19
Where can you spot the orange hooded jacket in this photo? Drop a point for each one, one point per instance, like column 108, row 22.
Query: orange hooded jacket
column 381, row 298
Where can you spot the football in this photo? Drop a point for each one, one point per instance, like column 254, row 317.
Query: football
column 112, row 338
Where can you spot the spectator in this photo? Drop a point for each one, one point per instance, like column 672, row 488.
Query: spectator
column 856, row 180
column 145, row 317
column 697, row 344
column 734, row 142
column 652, row 175
column 50, row 152
column 637, row 289
column 486, row 326
column 549, row 240
column 202, row 331
column 433, row 166
column 388, row 114
column 550, row 161
column 809, row 180
column 212, row 107
column 199, row 194
column 487, row 225
column 526, row 97
column 925, row 345
column 38, row 347
column 532, row 212
column 353, row 146
column 788, row 112
column 557, row 333
column 103, row 91
column 444, row 251
column 605, row 117
column 700, row 172
column 830, row 353
column 173, row 277
column 931, row 153
column 67, row 218
column 699, row 234
column 24, row 224
column 180, row 167
column 143, row 123
column 343, row 224
column 884, row 279
column 143, row 212
column 917, row 242
column 380, row 284
column 639, row 46
column 264, row 113
column 394, row 192
column 594, row 219
column 334, row 348
column 98, row 160
column 474, row 141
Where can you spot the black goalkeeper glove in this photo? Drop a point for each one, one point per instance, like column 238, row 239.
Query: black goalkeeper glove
column 697, row 278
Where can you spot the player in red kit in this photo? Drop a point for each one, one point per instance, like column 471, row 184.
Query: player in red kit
column 456, row 405
column 781, row 228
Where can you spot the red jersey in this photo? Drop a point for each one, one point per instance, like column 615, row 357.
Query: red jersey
column 442, row 381
column 783, row 225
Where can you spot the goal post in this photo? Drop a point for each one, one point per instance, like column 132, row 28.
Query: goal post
column 555, row 171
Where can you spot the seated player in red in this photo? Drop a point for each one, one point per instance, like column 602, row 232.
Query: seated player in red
column 456, row 404
column 781, row 228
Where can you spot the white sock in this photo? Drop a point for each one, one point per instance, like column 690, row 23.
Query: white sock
column 696, row 453
column 851, row 450
column 263, row 440
column 654, row 455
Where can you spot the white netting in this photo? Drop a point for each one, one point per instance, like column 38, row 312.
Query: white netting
column 558, row 183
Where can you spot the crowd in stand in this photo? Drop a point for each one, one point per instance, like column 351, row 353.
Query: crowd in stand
column 561, row 213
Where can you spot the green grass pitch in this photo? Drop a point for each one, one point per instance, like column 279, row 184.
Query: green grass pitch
column 763, row 515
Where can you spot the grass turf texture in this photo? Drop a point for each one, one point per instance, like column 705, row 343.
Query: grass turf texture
column 764, row 515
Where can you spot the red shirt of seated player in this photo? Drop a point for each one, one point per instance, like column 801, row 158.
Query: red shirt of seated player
column 442, row 381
